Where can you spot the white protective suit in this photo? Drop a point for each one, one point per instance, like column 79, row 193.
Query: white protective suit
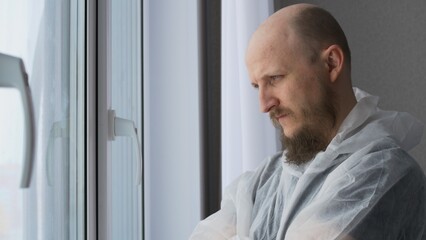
column 363, row 186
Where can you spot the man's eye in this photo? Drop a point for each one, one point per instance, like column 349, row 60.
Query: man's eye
column 273, row 79
column 255, row 85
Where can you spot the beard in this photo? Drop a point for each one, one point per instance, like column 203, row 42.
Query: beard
column 303, row 146
column 314, row 134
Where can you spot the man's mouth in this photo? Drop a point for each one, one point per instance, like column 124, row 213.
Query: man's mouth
column 278, row 115
column 281, row 116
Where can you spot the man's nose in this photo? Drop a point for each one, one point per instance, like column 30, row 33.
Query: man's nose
column 267, row 101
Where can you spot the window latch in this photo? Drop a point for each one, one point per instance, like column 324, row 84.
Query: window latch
column 126, row 128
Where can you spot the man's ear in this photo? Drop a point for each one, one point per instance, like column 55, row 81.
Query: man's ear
column 334, row 59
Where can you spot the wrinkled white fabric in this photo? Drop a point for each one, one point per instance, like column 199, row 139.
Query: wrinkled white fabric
column 363, row 186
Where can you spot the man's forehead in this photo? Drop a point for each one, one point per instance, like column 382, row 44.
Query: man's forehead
column 267, row 44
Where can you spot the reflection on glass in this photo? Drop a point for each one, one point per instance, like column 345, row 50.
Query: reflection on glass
column 11, row 157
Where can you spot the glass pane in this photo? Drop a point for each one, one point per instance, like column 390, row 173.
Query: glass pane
column 126, row 65
column 43, row 33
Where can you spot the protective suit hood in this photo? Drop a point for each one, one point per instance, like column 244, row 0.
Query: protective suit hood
column 376, row 124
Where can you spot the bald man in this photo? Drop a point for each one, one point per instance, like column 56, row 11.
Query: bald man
column 345, row 172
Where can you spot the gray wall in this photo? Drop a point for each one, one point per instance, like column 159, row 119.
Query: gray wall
column 388, row 44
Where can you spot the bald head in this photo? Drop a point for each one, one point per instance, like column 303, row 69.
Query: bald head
column 305, row 27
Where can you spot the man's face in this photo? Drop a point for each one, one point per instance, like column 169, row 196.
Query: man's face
column 293, row 90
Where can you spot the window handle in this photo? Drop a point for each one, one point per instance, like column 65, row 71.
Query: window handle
column 13, row 74
column 124, row 127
